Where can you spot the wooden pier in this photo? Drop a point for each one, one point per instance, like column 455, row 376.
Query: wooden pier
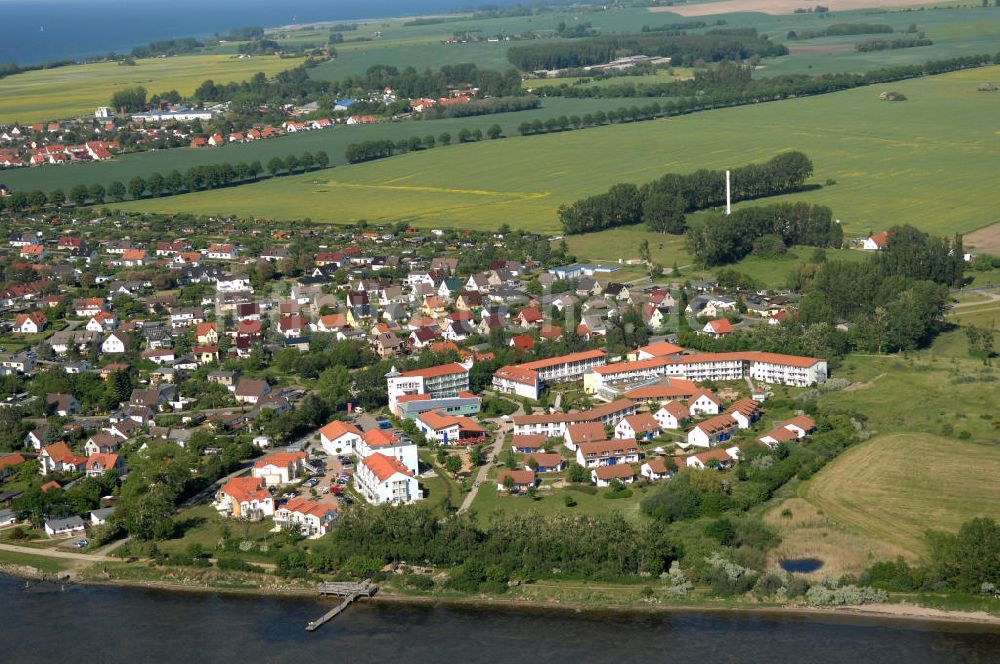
column 349, row 592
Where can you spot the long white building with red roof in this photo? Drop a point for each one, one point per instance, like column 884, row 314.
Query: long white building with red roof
column 528, row 379
column 443, row 380
column 794, row 370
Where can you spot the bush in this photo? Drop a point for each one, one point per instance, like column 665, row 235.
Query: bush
column 820, row 595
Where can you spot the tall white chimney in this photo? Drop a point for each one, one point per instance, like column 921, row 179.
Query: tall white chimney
column 729, row 196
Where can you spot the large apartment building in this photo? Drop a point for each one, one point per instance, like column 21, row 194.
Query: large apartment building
column 441, row 381
column 529, row 379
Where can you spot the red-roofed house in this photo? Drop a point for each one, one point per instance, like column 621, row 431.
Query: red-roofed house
column 520, row 480
column 717, row 328
column 383, row 479
column 245, row 497
column 671, row 415
column 100, row 463
column 640, row 426
column 340, row 437
column 280, row 468
column 449, row 429
column 604, row 475
column 32, row 323
column 311, row 518
column 876, row 242
column 57, row 458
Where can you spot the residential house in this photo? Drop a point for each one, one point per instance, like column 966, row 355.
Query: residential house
column 116, row 343
column 67, row 527
column 339, row 437
column 309, row 518
column 642, row 426
column 249, row 390
column 280, row 468
column 655, row 469
column 542, row 462
column 32, row 323
column 515, row 481
column 383, row 479
column 604, row 476
column 713, row 431
column 100, row 463
column 671, row 415
column 607, row 452
column 245, row 498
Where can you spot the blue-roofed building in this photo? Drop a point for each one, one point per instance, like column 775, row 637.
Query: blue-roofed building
column 465, row 404
column 344, row 104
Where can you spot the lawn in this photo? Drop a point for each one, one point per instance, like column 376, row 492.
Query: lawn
column 890, row 488
column 941, row 390
column 63, row 92
column 884, row 162
column 43, row 563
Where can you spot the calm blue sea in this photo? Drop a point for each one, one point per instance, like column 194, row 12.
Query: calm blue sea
column 33, row 31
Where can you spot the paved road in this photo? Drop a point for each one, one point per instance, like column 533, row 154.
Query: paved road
column 504, row 427
column 56, row 553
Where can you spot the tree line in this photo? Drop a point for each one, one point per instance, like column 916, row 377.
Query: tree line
column 663, row 203
column 889, row 44
column 483, row 107
column 720, row 239
column 842, row 30
column 196, row 178
column 683, row 49
column 731, row 84
column 379, row 149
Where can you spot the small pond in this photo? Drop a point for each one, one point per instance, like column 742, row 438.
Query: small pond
column 801, row 565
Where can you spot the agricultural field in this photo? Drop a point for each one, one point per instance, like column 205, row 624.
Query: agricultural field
column 63, row 92
column 877, row 164
column 333, row 141
column 889, row 488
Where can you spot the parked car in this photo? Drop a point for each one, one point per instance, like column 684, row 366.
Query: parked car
column 383, row 423
column 80, row 543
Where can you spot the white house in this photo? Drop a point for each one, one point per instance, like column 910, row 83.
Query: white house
column 713, row 431
column 245, row 497
column 280, row 468
column 655, row 469
column 671, row 414
column 704, row 403
column 638, row 426
column 67, row 527
column 607, row 452
column 382, row 479
column 312, row 519
column 604, row 475
column 723, row 457
column 115, row 343
column 340, row 438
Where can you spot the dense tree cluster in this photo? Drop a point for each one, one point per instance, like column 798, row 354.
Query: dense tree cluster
column 721, row 239
column 662, row 203
column 683, row 49
column 511, row 545
column 895, row 299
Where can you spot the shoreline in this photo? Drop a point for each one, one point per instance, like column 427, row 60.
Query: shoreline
column 890, row 613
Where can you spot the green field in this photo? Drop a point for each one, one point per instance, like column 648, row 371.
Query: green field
column 891, row 162
column 51, row 94
column 890, row 488
column 333, row 141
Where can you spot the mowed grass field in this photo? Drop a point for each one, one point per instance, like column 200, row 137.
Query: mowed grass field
column 894, row 488
column 63, row 92
column 924, row 161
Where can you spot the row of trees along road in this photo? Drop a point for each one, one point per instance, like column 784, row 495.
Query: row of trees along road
column 663, row 203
